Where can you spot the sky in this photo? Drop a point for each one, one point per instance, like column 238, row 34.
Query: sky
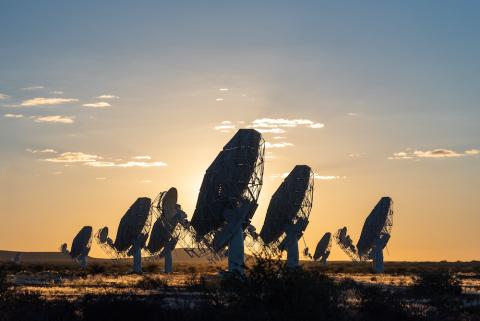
column 102, row 102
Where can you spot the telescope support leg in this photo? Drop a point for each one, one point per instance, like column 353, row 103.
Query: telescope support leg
column 236, row 252
column 293, row 257
column 168, row 260
column 378, row 258
column 137, row 260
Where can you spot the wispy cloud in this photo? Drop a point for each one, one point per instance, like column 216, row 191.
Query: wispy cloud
column 435, row 153
column 219, row 99
column 223, row 89
column 32, row 88
column 277, row 145
column 282, row 122
column 143, row 157
column 93, row 160
column 316, row 176
column 107, row 96
column 352, row 114
column 225, row 126
column 73, row 157
column 126, row 165
column 57, row 92
column 328, row 177
column 13, row 115
column 100, row 104
column 42, row 151
column 54, row 119
column 146, row 181
column 42, row 101
column 4, row 96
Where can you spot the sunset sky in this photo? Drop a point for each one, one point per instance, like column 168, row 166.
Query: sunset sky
column 102, row 102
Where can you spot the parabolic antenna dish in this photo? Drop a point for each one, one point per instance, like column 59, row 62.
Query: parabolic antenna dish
column 132, row 225
column 377, row 225
column 165, row 212
column 232, row 180
column 323, row 247
column 169, row 203
column 82, row 242
column 291, row 202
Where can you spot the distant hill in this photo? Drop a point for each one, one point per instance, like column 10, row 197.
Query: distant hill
column 179, row 256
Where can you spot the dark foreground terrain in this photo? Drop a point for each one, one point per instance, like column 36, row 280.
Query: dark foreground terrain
column 268, row 291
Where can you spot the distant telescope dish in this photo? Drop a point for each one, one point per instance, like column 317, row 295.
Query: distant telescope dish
column 288, row 213
column 228, row 196
column 81, row 245
column 374, row 237
column 164, row 236
column 322, row 251
column 132, row 233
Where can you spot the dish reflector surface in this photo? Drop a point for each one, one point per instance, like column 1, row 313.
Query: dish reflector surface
column 376, row 224
column 285, row 204
column 82, row 242
column 234, row 176
column 132, row 224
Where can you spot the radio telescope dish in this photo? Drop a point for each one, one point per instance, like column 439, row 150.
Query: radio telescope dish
column 288, row 213
column 132, row 233
column 374, row 237
column 322, row 251
column 163, row 237
column 228, row 196
column 81, row 245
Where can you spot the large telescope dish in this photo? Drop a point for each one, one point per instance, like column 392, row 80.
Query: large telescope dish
column 235, row 175
column 322, row 251
column 81, row 242
column 132, row 233
column 378, row 223
column 228, row 195
column 81, row 245
column 132, row 224
column 290, row 202
column 288, row 214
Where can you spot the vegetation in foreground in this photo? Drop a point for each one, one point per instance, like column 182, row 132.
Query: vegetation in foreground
column 267, row 291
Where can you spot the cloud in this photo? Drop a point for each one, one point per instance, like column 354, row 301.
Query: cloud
column 73, row 157
column 43, row 151
column 328, row 177
column 108, row 97
column 100, row 178
column 100, row 104
column 41, row 101
column 277, row 145
column 352, row 114
column 316, row 176
column 126, row 165
column 57, row 92
column 270, row 130
column 32, row 88
column 219, row 99
column 93, row 160
column 223, row 89
column 282, row 122
column 4, row 96
column 435, row 153
column 145, row 157
column 472, row 152
column 54, row 119
column 13, row 115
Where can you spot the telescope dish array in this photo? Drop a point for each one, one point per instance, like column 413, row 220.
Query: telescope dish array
column 287, row 215
column 165, row 231
column 374, row 237
column 322, row 251
column 228, row 197
column 81, row 245
column 132, row 233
